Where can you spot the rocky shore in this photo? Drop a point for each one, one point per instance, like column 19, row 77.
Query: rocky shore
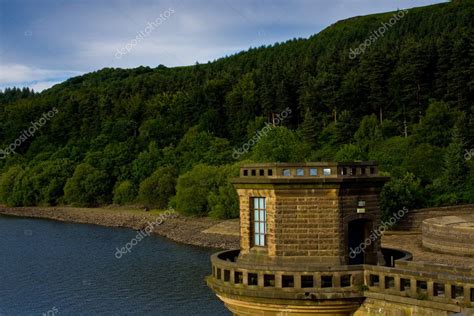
column 203, row 232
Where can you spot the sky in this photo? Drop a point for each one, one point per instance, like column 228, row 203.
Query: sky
column 44, row 42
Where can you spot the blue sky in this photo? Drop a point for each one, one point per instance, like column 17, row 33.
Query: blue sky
column 44, row 42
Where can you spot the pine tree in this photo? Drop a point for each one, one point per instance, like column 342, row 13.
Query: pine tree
column 308, row 128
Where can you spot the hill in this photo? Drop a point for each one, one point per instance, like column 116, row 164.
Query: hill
column 395, row 87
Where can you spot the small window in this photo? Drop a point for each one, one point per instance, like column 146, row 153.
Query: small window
column 287, row 281
column 346, row 280
column 307, row 281
column 361, row 203
column 421, row 286
column 254, row 172
column 253, row 279
column 343, row 171
column 313, row 172
column 438, row 289
column 353, row 171
column 226, row 275
column 270, row 172
column 261, row 172
column 269, row 280
column 389, row 282
column 472, row 295
column 457, row 292
column 286, row 172
column 362, row 171
column 374, row 280
column 219, row 273
column 238, row 277
column 327, row 171
column 246, row 172
column 326, row 281
column 300, row 172
column 405, row 284
column 372, row 170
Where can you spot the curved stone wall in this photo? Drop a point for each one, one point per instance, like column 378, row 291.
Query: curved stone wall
column 449, row 234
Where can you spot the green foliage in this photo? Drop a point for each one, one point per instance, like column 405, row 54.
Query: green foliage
column 88, row 186
column 369, row 133
column 156, row 190
column 124, row 193
column 435, row 127
column 350, row 152
column 7, row 182
column 194, row 187
column 399, row 193
column 225, row 203
column 281, row 145
column 115, row 125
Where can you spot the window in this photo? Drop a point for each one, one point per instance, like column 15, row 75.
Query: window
column 252, row 279
column 269, row 280
column 287, row 281
column 254, row 172
column 300, row 172
column 286, row 172
column 246, row 172
column 226, row 275
column 326, row 281
column 389, row 282
column 238, row 277
column 307, row 281
column 313, row 172
column 327, row 171
column 259, row 221
column 457, row 292
column 270, row 172
column 262, row 172
column 405, row 284
column 374, row 280
column 421, row 286
column 438, row 289
column 346, row 280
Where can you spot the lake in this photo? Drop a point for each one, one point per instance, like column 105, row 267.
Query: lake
column 55, row 268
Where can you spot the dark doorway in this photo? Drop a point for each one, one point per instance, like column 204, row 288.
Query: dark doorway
column 357, row 233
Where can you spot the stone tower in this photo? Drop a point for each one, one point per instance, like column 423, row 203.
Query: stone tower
column 303, row 225
column 310, row 245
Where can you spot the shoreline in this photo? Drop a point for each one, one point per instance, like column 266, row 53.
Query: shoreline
column 195, row 231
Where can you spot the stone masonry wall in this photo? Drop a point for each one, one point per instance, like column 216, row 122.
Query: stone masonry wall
column 308, row 222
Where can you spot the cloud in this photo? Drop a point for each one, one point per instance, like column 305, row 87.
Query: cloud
column 43, row 85
column 36, row 78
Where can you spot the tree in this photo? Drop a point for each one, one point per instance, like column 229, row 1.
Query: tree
column 193, row 189
column 368, row 134
column 399, row 193
column 308, row 128
column 124, row 193
column 280, row 144
column 156, row 190
column 88, row 186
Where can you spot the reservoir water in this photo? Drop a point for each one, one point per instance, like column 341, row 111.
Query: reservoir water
column 56, row 268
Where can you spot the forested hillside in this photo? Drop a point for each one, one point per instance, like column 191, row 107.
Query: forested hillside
column 174, row 136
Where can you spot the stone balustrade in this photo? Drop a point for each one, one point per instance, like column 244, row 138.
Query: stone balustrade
column 424, row 284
